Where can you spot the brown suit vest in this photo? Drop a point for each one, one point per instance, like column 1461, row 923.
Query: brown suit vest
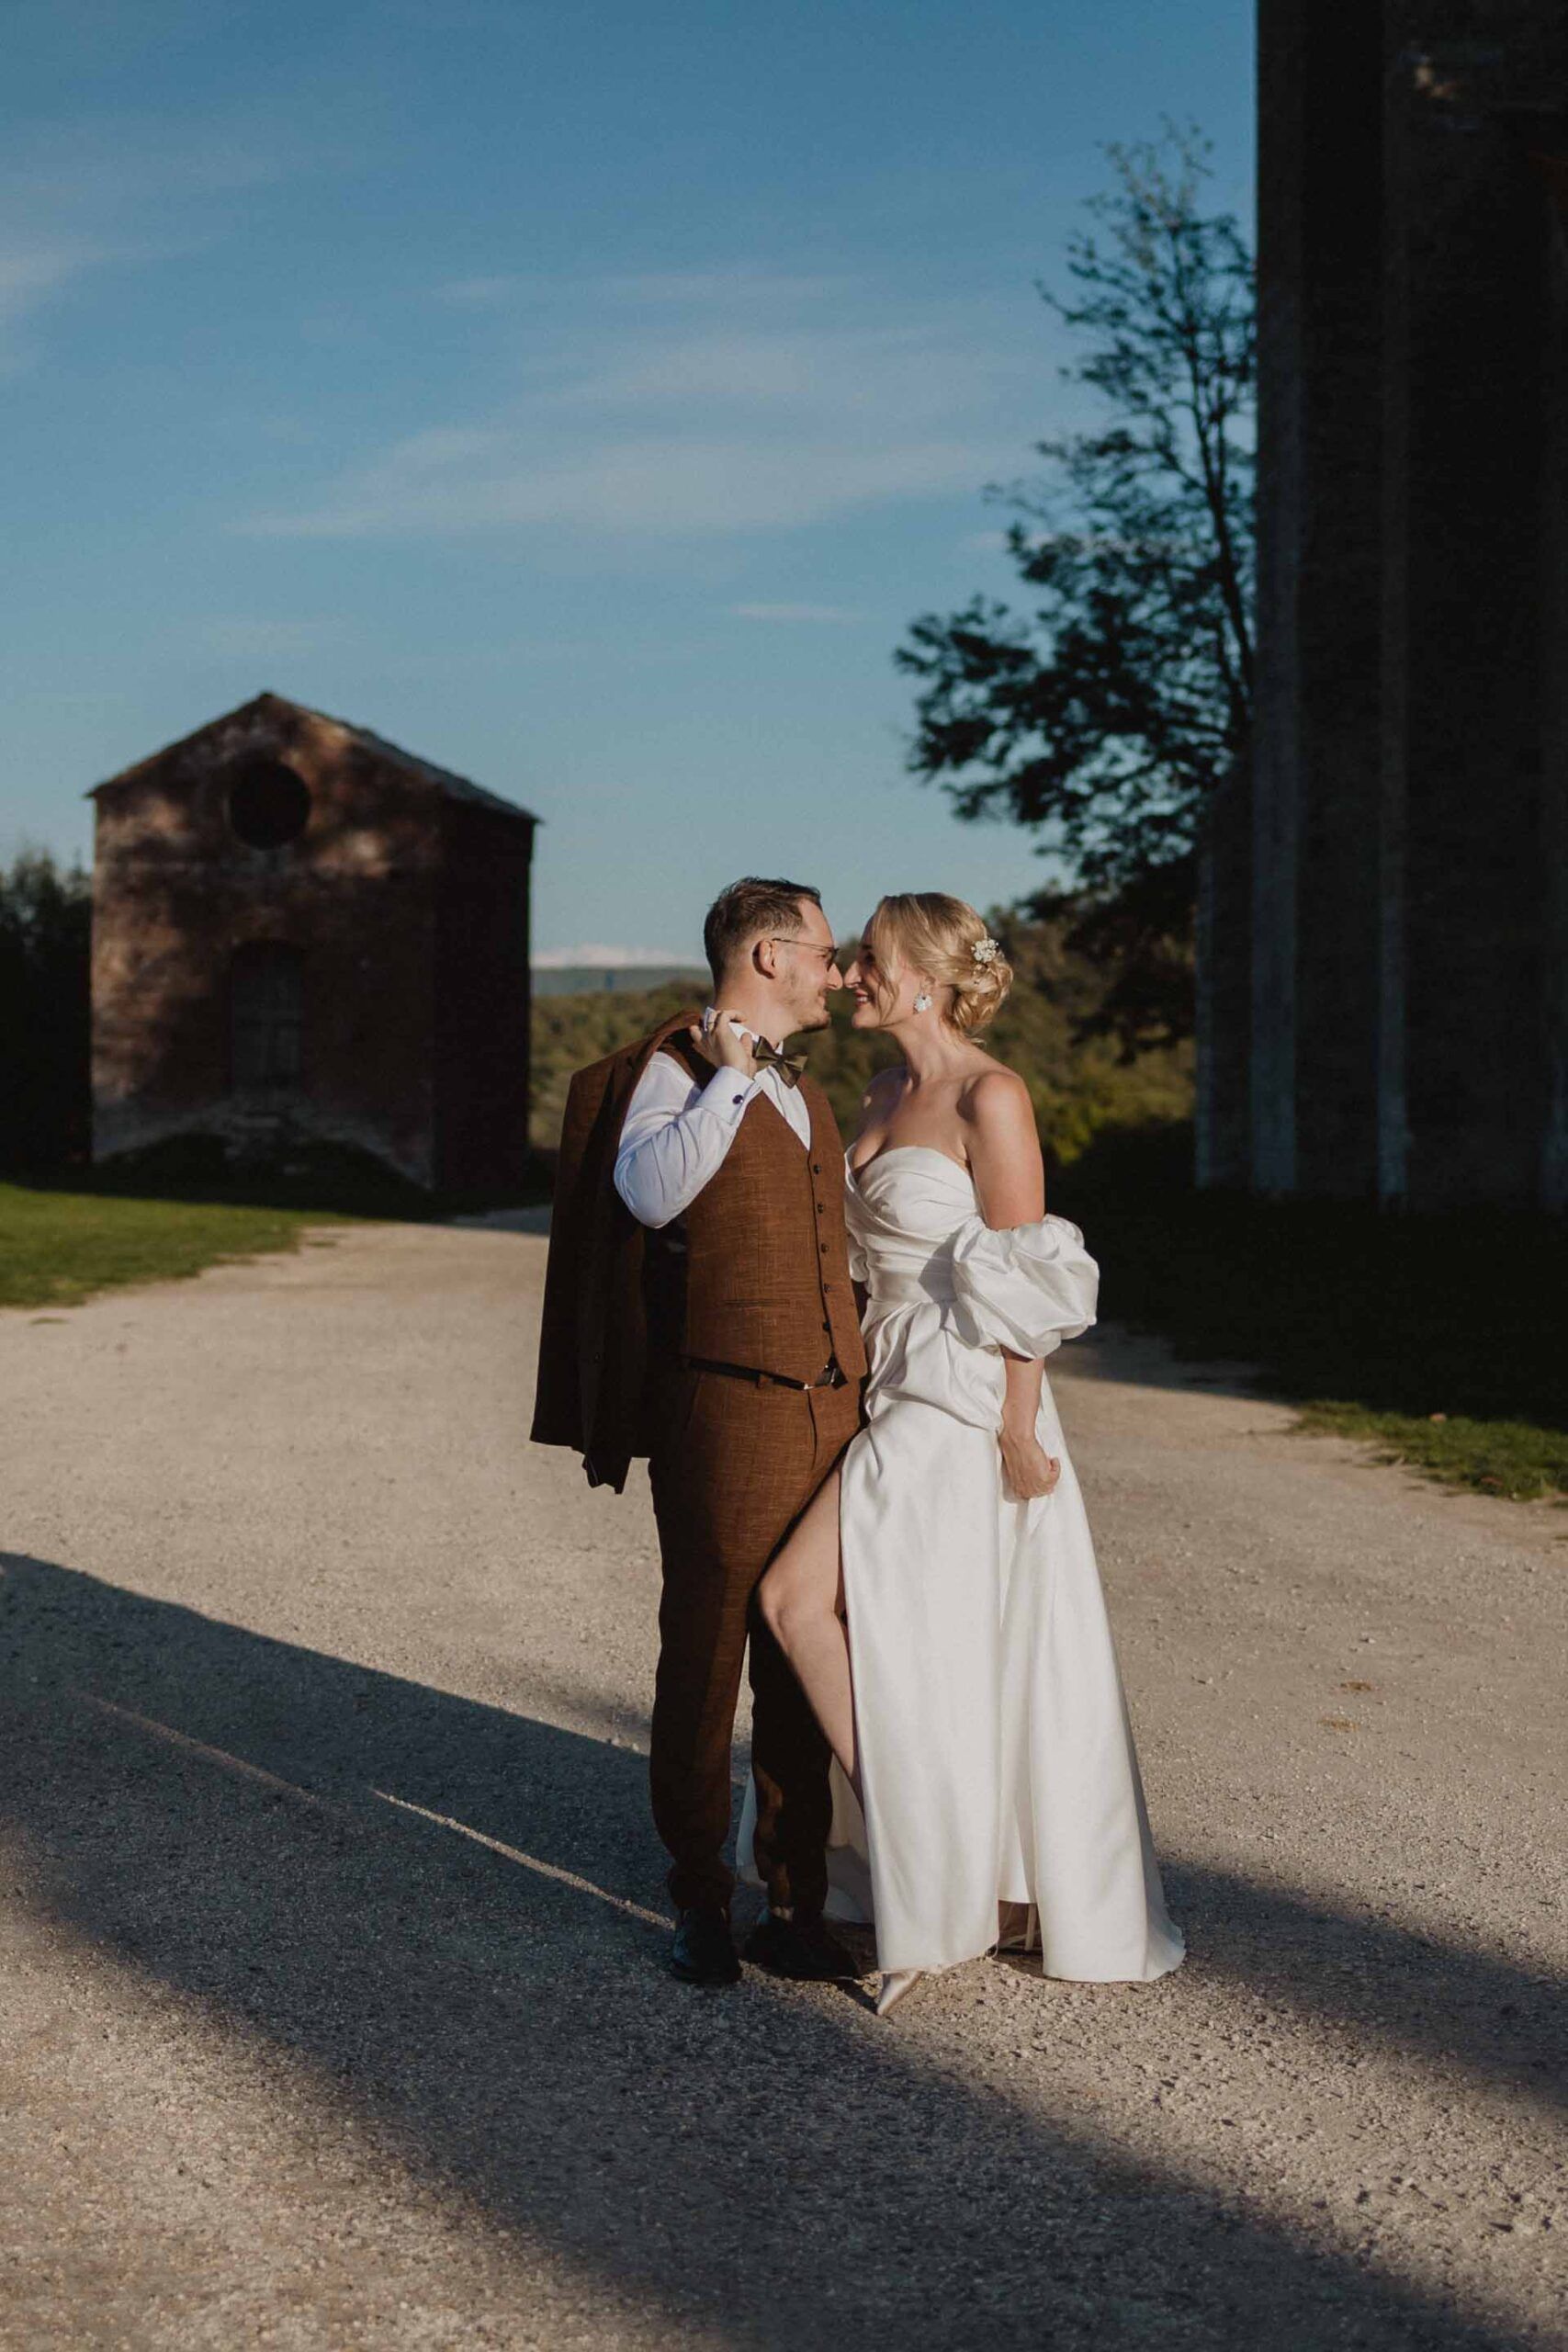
column 766, row 1272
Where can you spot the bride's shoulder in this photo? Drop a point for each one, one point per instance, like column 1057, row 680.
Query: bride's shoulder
column 992, row 1092
column 994, row 1106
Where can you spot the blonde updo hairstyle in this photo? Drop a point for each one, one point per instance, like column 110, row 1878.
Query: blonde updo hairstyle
column 925, row 931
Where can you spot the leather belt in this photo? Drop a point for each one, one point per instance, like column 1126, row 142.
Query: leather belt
column 830, row 1376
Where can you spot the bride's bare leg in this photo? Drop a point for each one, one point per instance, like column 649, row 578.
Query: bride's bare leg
column 802, row 1599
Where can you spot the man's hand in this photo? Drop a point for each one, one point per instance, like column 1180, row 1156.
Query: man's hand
column 723, row 1045
column 1028, row 1469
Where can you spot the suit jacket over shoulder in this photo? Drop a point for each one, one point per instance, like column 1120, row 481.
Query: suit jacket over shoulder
column 766, row 1280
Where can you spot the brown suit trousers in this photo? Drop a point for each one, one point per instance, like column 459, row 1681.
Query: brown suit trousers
column 732, row 1466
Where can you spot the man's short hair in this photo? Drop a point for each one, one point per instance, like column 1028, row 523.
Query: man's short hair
column 753, row 909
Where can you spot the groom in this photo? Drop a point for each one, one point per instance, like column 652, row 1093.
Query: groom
column 698, row 1309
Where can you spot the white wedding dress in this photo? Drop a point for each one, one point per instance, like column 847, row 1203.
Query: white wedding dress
column 994, row 1750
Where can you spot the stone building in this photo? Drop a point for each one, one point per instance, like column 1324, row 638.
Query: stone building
column 1383, row 922
column 303, row 934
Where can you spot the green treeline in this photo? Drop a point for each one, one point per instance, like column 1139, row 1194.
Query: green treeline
column 45, row 1020
column 1081, row 1083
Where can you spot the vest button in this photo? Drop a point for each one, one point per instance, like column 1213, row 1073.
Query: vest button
column 818, row 1208
column 824, row 1249
column 817, row 1167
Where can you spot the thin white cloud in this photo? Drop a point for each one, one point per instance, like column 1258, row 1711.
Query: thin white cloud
column 78, row 197
column 692, row 290
column 672, row 487
column 82, row 29
column 900, row 374
column 34, row 273
column 31, row 269
column 786, row 407
column 795, row 613
column 28, row 271
column 483, row 293
column 703, row 288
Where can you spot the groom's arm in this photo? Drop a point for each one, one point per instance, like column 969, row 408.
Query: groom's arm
column 676, row 1137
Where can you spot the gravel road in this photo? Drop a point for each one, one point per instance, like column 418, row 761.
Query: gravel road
column 332, row 1956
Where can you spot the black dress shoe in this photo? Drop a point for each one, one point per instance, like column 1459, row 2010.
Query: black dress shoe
column 703, row 1950
column 805, row 1948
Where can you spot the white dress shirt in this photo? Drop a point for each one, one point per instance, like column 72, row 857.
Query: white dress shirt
column 679, row 1130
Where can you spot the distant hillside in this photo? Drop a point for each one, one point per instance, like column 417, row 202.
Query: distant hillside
column 571, row 1031
column 1078, row 1090
column 586, row 979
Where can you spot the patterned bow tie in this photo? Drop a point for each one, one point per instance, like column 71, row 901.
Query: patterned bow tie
column 788, row 1066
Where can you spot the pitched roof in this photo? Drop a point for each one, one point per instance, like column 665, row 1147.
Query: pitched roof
column 444, row 780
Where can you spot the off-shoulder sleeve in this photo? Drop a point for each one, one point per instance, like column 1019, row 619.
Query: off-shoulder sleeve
column 1026, row 1289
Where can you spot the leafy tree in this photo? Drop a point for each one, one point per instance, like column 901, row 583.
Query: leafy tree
column 1105, row 717
column 45, row 934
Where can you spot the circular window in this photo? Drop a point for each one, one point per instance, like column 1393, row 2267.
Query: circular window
column 269, row 804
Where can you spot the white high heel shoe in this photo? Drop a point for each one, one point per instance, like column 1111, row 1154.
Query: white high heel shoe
column 895, row 1984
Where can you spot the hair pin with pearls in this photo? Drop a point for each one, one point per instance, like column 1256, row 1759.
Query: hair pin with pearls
column 987, row 950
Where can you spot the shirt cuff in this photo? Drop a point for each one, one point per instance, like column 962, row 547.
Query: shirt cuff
column 726, row 1094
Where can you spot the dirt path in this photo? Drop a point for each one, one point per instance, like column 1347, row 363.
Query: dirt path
column 330, row 1959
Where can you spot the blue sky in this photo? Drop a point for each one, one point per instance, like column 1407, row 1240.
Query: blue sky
column 585, row 398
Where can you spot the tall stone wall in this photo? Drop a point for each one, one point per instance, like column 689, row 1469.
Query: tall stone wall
column 1223, row 1109
column 1554, row 703
column 1406, row 1005
column 1314, row 836
column 1467, row 253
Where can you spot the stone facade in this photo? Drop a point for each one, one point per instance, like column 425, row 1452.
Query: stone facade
column 302, row 933
column 1401, row 1035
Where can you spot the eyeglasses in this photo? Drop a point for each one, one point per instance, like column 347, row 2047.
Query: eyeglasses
column 830, row 955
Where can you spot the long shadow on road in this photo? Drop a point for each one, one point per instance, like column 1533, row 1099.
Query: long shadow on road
column 230, row 1817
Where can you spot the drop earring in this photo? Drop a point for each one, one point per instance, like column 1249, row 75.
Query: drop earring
column 923, row 1002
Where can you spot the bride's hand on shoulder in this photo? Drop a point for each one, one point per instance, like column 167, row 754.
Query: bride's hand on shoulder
column 1029, row 1470
column 723, row 1044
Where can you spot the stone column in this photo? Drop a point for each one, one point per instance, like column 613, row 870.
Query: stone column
column 1221, row 1116
column 1550, row 162
column 1467, row 340
column 1314, row 1062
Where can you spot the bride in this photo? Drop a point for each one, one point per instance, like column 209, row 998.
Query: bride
column 939, row 1599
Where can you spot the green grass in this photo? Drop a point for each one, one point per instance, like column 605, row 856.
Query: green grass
column 1435, row 1337
column 58, row 1248
column 166, row 1212
column 1515, row 1458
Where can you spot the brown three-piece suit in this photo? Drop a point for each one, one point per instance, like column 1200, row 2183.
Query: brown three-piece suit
column 707, row 1347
